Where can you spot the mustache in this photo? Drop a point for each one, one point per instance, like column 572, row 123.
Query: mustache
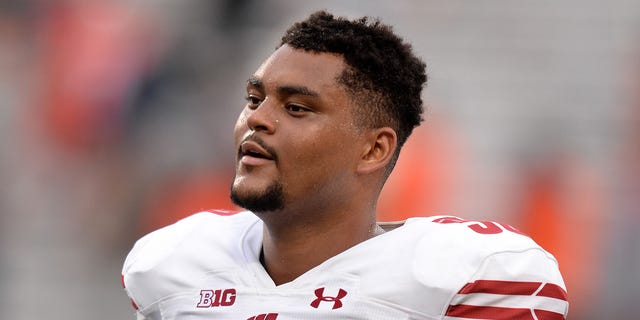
column 256, row 139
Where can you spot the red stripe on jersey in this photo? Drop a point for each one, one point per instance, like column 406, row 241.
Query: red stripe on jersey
column 133, row 303
column 221, row 212
column 489, row 313
column 501, row 287
column 548, row 315
column 553, row 291
column 267, row 316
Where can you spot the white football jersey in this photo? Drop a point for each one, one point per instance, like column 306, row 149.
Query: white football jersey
column 207, row 266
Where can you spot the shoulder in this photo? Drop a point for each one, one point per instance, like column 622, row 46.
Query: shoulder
column 487, row 235
column 482, row 237
column 162, row 260
column 466, row 244
column 155, row 246
column 463, row 256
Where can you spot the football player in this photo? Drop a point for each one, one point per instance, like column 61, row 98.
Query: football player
column 325, row 118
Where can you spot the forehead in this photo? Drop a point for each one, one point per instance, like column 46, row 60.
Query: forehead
column 289, row 66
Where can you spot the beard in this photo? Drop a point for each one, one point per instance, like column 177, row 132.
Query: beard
column 271, row 199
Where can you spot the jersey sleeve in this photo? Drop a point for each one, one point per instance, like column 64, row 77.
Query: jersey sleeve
column 145, row 270
column 170, row 261
column 512, row 285
column 487, row 270
column 127, row 282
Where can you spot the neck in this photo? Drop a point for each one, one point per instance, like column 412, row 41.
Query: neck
column 292, row 246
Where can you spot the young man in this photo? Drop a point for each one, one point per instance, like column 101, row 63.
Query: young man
column 326, row 116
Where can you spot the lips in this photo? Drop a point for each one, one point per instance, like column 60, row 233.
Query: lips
column 253, row 153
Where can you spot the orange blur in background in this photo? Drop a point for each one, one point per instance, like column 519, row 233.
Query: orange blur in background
column 116, row 120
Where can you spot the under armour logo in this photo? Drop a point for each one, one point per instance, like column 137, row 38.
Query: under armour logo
column 321, row 297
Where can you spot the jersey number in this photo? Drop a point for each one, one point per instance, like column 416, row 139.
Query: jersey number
column 483, row 227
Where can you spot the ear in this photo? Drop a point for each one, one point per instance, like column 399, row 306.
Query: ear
column 378, row 150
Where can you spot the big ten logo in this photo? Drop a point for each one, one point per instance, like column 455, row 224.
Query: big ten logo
column 217, row 298
column 482, row 227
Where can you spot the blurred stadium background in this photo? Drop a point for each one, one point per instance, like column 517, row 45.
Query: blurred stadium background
column 116, row 118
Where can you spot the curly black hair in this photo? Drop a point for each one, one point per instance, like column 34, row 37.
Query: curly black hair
column 383, row 72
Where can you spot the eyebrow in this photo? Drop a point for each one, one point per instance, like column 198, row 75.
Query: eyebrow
column 284, row 90
column 254, row 81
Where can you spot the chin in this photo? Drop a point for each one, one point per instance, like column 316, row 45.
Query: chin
column 269, row 198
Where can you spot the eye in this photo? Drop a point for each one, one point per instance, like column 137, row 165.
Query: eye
column 296, row 110
column 253, row 101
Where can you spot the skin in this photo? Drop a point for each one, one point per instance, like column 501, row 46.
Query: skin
column 331, row 170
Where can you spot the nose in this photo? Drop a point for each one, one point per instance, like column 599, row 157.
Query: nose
column 261, row 118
